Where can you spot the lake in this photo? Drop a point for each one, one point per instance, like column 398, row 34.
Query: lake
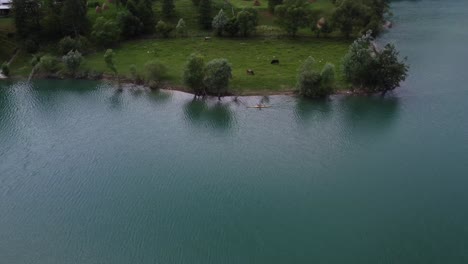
column 90, row 175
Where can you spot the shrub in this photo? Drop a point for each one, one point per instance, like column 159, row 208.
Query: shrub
column 48, row 64
column 72, row 61
column 67, row 44
column 155, row 74
column 94, row 75
column 109, row 59
column 105, row 32
column 5, row 69
column 134, row 75
column 163, row 29
column 328, row 78
column 217, row 75
column 181, row 28
column 194, row 72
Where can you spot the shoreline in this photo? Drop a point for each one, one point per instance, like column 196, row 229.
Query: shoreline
column 125, row 83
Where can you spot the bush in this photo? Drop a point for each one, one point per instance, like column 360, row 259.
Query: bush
column 155, row 74
column 181, row 28
column 311, row 83
column 163, row 29
column 106, row 33
column 134, row 75
column 328, row 78
column 48, row 64
column 194, row 72
column 269, row 31
column 217, row 75
column 109, row 59
column 94, row 75
column 67, row 44
column 72, row 61
column 5, row 69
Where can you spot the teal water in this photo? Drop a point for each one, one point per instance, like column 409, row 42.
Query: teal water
column 88, row 175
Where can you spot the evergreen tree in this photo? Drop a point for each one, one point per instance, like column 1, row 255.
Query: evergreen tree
column 219, row 22
column 168, row 8
column 181, row 28
column 74, row 19
column 204, row 10
column 27, row 17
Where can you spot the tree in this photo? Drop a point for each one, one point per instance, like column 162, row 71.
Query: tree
column 109, row 59
column 217, row 75
column 74, row 19
column 204, row 10
column 181, row 28
column 168, row 8
column 105, row 32
column 247, row 21
column 194, row 72
column 51, row 23
column 219, row 22
column 311, row 83
column 292, row 15
column 373, row 70
column 347, row 16
column 308, row 79
column 27, row 17
column 130, row 25
column 72, row 61
column 143, row 10
column 163, row 29
column 232, row 27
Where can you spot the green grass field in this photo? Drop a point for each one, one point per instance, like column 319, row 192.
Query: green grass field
column 253, row 53
column 243, row 54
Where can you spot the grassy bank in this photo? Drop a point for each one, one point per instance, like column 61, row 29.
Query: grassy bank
column 243, row 54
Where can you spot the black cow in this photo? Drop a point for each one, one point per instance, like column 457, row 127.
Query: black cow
column 275, row 62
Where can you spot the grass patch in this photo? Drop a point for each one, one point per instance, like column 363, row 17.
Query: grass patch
column 243, row 54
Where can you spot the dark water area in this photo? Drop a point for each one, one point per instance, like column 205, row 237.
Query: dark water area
column 89, row 175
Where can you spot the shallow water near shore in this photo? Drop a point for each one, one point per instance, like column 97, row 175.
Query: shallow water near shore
column 91, row 175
